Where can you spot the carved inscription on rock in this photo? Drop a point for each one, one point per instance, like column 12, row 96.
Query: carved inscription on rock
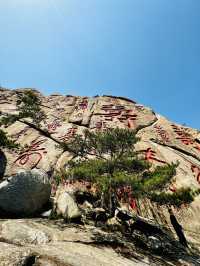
column 196, row 170
column 185, row 138
column 53, row 126
column 71, row 132
column 182, row 135
column 162, row 133
column 151, row 156
column 22, row 132
column 33, row 154
column 115, row 112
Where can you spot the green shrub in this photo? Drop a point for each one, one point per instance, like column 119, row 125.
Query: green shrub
column 6, row 142
column 182, row 196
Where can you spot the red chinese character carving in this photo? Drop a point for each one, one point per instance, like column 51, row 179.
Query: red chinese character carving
column 84, row 104
column 111, row 114
column 184, row 137
column 150, row 155
column 33, row 150
column 139, row 107
column 21, row 132
column 125, row 194
column 196, row 170
column 120, row 193
column 119, row 107
column 172, row 188
column 186, row 140
column 54, row 125
column 132, row 203
column 163, row 134
column 119, row 112
column 100, row 125
column 107, row 107
column 129, row 116
column 197, row 146
column 71, row 132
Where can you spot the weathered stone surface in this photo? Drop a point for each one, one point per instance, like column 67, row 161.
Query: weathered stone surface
column 172, row 135
column 13, row 255
column 111, row 112
column 23, row 233
column 66, row 205
column 37, row 150
column 54, row 243
column 162, row 141
column 25, row 193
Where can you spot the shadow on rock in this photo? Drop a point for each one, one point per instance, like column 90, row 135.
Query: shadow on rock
column 3, row 163
column 150, row 241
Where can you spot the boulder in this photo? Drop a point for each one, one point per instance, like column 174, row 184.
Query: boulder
column 25, row 193
column 66, row 206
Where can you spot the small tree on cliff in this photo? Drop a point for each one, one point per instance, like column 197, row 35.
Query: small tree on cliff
column 6, row 142
column 109, row 160
column 28, row 106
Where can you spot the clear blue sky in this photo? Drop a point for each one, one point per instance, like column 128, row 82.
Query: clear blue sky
column 148, row 50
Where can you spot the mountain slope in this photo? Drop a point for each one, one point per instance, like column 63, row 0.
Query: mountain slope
column 162, row 141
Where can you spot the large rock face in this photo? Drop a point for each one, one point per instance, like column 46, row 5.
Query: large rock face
column 52, row 243
column 25, row 193
column 162, row 141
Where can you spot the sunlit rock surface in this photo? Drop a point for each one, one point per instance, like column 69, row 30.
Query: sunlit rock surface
column 43, row 242
column 161, row 142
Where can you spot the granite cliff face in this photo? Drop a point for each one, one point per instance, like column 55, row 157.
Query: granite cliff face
column 161, row 142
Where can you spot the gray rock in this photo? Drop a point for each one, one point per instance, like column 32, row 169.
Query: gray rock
column 25, row 193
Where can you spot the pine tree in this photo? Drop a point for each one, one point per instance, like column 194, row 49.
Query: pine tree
column 6, row 142
column 109, row 160
column 28, row 106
